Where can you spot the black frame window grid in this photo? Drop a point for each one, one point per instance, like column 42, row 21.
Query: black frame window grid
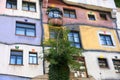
column 103, row 16
column 106, row 40
column 116, row 64
column 12, row 4
column 103, row 63
column 91, row 17
column 29, row 6
column 74, row 38
column 69, row 13
column 26, row 29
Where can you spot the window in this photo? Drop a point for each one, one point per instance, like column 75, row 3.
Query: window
column 102, row 63
column 28, row 6
column 103, row 16
column 73, row 37
column 53, row 34
column 54, row 13
column 69, row 13
column 33, row 58
column 16, row 57
column 11, row 4
column 91, row 17
column 116, row 65
column 106, row 40
column 25, row 29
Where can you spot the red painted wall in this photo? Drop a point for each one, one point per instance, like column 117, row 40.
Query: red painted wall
column 81, row 13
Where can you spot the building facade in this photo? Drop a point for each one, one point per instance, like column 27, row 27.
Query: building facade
column 20, row 40
column 93, row 28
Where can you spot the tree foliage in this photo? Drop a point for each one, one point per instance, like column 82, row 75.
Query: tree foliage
column 60, row 56
column 117, row 2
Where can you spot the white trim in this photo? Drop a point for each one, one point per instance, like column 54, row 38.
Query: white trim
column 106, row 33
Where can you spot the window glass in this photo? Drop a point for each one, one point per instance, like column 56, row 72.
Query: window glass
column 33, row 58
column 25, row 29
column 16, row 57
column 69, row 13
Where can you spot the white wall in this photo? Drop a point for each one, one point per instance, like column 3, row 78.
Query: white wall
column 19, row 11
column 94, row 69
column 25, row 70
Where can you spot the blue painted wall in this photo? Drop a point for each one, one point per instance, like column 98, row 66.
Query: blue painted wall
column 8, row 27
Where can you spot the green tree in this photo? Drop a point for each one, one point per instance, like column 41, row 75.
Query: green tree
column 60, row 56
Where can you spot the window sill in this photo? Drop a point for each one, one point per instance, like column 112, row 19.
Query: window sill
column 30, row 11
column 33, row 64
column 70, row 17
column 104, row 67
column 16, row 64
column 11, row 8
column 25, row 35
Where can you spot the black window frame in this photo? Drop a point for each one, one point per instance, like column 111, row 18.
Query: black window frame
column 11, row 3
column 116, row 63
column 25, row 28
column 73, row 43
column 35, row 53
column 69, row 13
column 16, row 57
column 103, row 63
column 104, row 40
column 103, row 16
column 54, row 13
column 91, row 17
column 28, row 5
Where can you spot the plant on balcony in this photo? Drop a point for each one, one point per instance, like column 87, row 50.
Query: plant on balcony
column 60, row 56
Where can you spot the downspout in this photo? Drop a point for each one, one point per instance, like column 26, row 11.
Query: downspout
column 42, row 35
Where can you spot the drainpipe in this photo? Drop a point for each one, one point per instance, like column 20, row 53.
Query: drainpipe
column 42, row 35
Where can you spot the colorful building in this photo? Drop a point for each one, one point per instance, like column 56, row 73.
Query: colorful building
column 93, row 28
column 20, row 40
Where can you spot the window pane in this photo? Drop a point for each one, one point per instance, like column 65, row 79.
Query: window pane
column 30, row 32
column 35, row 60
column 52, row 34
column 77, row 45
column 14, row 6
column 109, row 43
column 71, row 39
column 12, row 60
column 76, row 35
column 25, row 6
column 32, row 7
column 66, row 13
column 72, row 14
column 19, row 60
column 76, row 39
column 20, row 31
column 9, row 5
column 30, row 59
column 34, row 55
column 103, row 42
column 50, row 14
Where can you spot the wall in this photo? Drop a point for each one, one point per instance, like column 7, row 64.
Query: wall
column 100, row 3
column 25, row 70
column 19, row 11
column 94, row 69
column 91, row 41
column 82, row 15
column 8, row 28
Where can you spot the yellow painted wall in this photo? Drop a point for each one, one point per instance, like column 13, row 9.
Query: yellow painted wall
column 90, row 38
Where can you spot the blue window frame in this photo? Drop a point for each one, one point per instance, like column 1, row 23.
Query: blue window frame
column 16, row 57
column 26, row 29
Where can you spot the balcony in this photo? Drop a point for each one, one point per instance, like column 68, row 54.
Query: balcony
column 55, row 16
